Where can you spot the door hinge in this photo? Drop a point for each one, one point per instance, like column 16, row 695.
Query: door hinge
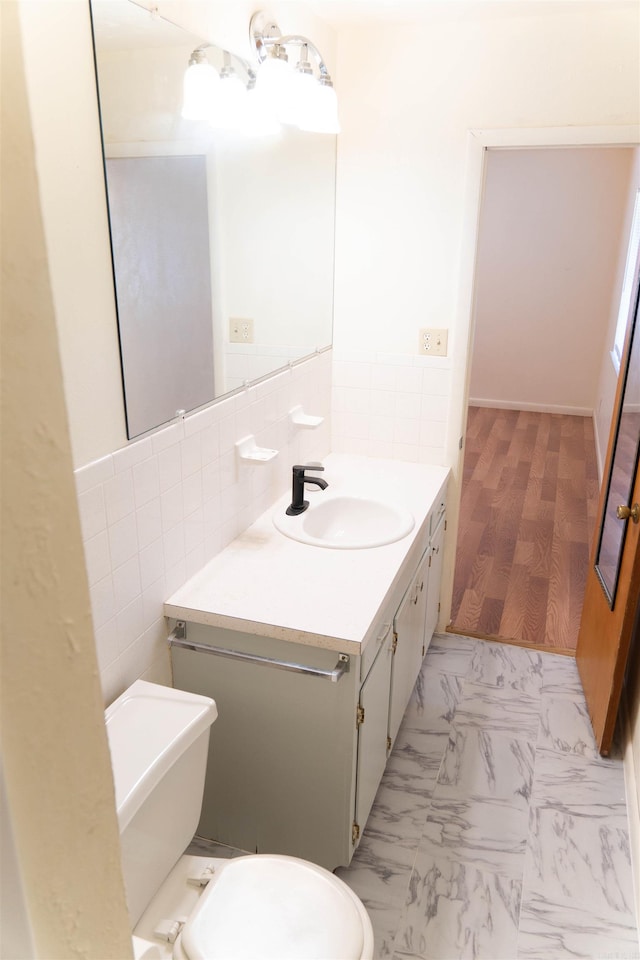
column 179, row 632
column 355, row 832
column 395, row 642
column 359, row 715
column 430, row 559
column 388, row 743
column 438, row 607
column 445, row 525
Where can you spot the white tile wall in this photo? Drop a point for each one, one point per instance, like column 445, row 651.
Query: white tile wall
column 394, row 407
column 156, row 511
column 248, row 361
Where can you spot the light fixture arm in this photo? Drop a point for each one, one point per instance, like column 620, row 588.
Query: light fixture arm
column 199, row 56
column 299, row 41
column 266, row 34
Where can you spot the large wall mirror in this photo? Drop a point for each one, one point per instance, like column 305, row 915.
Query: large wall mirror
column 222, row 242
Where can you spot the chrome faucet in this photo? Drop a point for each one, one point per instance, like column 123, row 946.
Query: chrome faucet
column 298, row 503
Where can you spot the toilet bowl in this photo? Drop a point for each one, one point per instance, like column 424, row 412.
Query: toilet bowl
column 198, row 908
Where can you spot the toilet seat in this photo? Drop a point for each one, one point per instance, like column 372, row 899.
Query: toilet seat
column 278, row 907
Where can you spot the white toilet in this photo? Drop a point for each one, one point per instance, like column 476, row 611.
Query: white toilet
column 199, row 908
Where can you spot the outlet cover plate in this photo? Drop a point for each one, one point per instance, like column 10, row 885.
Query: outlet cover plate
column 240, row 330
column 433, row 342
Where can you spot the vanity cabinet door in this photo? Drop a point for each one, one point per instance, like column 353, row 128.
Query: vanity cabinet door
column 282, row 751
column 373, row 711
column 435, row 577
column 408, row 644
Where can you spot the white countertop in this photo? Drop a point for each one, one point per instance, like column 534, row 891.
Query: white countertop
column 267, row 584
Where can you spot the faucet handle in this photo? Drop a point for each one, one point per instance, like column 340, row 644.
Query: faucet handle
column 300, row 468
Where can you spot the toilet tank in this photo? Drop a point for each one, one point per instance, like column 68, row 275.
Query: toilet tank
column 158, row 738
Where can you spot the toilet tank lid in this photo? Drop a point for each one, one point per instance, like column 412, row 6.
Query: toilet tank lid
column 149, row 727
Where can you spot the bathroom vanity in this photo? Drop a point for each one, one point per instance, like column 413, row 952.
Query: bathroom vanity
column 311, row 655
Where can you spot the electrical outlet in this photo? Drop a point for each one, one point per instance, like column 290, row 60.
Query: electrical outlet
column 240, row 330
column 433, row 342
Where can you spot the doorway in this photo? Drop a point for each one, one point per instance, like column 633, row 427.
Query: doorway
column 550, row 232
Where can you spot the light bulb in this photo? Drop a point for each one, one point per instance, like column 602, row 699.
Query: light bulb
column 259, row 120
column 321, row 110
column 230, row 103
column 199, row 90
column 300, row 93
column 274, row 83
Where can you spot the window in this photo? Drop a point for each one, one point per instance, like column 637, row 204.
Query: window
column 627, row 285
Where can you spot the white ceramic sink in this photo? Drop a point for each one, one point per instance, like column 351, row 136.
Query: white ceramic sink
column 346, row 522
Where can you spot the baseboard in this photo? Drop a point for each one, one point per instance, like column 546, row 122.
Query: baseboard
column 531, row 407
column 632, row 786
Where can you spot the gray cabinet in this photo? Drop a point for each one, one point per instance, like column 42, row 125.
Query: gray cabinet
column 435, row 551
column 303, row 733
column 372, row 716
column 415, row 621
column 282, row 752
column 408, row 646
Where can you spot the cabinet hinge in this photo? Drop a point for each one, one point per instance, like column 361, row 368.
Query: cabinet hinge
column 359, row 715
column 438, row 607
column 429, row 559
column 179, row 632
column 395, row 642
column 445, row 525
column 388, row 743
column 355, row 832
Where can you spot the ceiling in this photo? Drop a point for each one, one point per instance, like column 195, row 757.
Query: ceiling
column 353, row 12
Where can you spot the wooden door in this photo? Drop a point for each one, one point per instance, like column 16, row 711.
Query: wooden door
column 612, row 594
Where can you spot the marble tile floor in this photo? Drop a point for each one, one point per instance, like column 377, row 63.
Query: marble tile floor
column 498, row 831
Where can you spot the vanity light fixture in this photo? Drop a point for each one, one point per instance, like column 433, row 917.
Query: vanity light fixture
column 297, row 95
column 274, row 94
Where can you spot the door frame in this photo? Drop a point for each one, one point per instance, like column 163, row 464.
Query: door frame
column 478, row 142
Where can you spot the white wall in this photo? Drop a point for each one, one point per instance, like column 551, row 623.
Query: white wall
column 65, row 127
column 550, row 230
column 409, row 95
column 408, row 166
column 60, row 808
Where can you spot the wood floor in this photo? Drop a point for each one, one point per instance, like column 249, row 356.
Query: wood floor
column 527, row 514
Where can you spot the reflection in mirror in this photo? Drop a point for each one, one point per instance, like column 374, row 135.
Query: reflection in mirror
column 222, row 242
column 624, row 465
